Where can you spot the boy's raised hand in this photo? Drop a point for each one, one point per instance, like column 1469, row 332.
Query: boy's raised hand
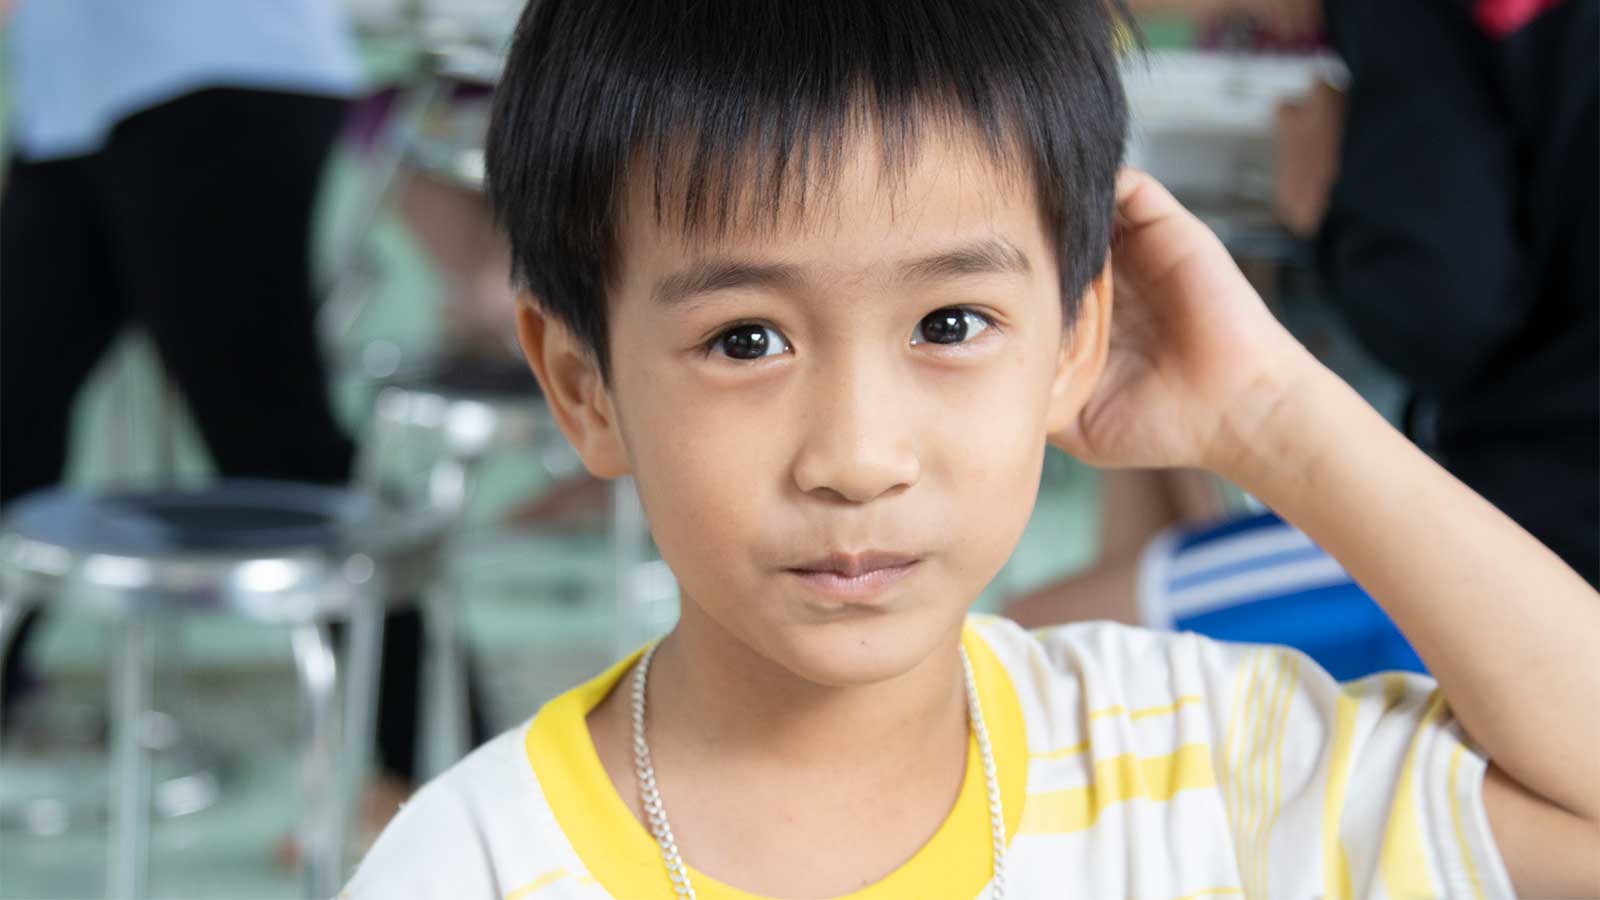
column 1200, row 374
column 1196, row 360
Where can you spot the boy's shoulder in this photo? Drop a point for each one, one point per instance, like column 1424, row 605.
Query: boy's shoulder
column 482, row 828
column 1087, row 636
column 1100, row 657
column 1076, row 681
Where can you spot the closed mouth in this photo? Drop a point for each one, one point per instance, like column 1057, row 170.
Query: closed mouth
column 855, row 579
column 855, row 565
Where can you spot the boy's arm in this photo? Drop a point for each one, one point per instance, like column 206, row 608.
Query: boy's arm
column 1510, row 632
column 1200, row 374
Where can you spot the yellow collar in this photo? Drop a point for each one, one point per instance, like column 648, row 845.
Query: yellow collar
column 622, row 856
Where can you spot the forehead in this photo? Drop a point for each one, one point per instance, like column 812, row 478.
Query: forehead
column 858, row 214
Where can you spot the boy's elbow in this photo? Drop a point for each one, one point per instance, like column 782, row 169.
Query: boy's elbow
column 1548, row 851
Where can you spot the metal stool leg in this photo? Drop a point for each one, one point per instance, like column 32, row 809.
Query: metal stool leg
column 130, row 782
column 14, row 606
column 360, row 717
column 450, row 486
column 386, row 178
column 316, row 665
column 446, row 706
column 628, row 531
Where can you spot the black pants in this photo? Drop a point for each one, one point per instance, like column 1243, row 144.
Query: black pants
column 192, row 222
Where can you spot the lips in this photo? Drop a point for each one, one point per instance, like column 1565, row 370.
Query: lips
column 851, row 565
column 855, row 577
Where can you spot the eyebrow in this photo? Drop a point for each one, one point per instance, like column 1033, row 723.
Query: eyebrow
column 711, row 275
column 992, row 256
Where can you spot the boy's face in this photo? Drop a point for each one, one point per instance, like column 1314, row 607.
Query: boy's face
column 836, row 426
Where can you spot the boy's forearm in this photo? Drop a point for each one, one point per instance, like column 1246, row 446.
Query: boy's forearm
column 1106, row 591
column 1510, row 632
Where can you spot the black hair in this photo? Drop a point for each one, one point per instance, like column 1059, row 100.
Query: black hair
column 737, row 108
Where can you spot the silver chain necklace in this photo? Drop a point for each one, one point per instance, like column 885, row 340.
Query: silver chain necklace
column 650, row 796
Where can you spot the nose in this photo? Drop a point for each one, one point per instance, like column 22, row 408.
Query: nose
column 858, row 443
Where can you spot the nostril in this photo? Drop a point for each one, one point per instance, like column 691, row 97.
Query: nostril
column 856, row 447
column 856, row 481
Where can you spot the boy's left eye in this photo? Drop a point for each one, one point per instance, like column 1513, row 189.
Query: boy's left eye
column 951, row 325
column 750, row 341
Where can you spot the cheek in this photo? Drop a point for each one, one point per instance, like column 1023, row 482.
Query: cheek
column 994, row 451
column 703, row 484
column 992, row 427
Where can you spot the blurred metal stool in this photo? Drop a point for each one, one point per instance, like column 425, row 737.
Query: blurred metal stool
column 278, row 553
column 464, row 409
column 461, row 411
column 458, row 412
column 437, row 127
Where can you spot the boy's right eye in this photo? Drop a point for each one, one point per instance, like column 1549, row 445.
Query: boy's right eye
column 750, row 341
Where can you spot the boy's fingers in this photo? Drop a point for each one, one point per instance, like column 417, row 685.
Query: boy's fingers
column 1129, row 181
column 1141, row 200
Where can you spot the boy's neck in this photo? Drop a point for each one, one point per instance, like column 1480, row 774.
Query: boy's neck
column 719, row 689
column 737, row 739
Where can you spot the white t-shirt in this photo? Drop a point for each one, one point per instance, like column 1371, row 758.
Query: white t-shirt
column 1132, row 764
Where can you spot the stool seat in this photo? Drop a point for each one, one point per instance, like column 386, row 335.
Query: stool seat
column 248, row 516
column 479, row 377
column 282, row 552
column 472, row 405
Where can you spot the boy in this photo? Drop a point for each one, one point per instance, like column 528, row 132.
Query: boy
column 824, row 277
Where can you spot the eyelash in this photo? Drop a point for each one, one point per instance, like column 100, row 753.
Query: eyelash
column 711, row 346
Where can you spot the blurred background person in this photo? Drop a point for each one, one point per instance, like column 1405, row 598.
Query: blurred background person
column 165, row 159
column 165, row 163
column 1452, row 195
column 1181, row 549
column 1449, row 202
column 471, row 257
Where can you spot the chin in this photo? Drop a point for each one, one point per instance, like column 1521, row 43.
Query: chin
column 865, row 651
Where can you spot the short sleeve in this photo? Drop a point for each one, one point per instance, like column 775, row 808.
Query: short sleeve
column 429, row 850
column 479, row 830
column 1371, row 784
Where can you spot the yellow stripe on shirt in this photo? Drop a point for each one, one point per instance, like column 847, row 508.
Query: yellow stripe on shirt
column 1117, row 780
column 1147, row 711
column 1335, row 861
column 1261, row 758
column 1455, row 817
column 543, row 881
column 1402, row 863
column 1210, row 892
column 1068, row 752
column 1232, row 739
column 1290, row 664
column 1060, row 754
column 1394, row 690
column 1245, row 745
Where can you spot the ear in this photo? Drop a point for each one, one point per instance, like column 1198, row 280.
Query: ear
column 1084, row 346
column 569, row 374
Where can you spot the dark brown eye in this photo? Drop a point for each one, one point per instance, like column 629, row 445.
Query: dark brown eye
column 950, row 325
column 946, row 326
column 750, row 342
